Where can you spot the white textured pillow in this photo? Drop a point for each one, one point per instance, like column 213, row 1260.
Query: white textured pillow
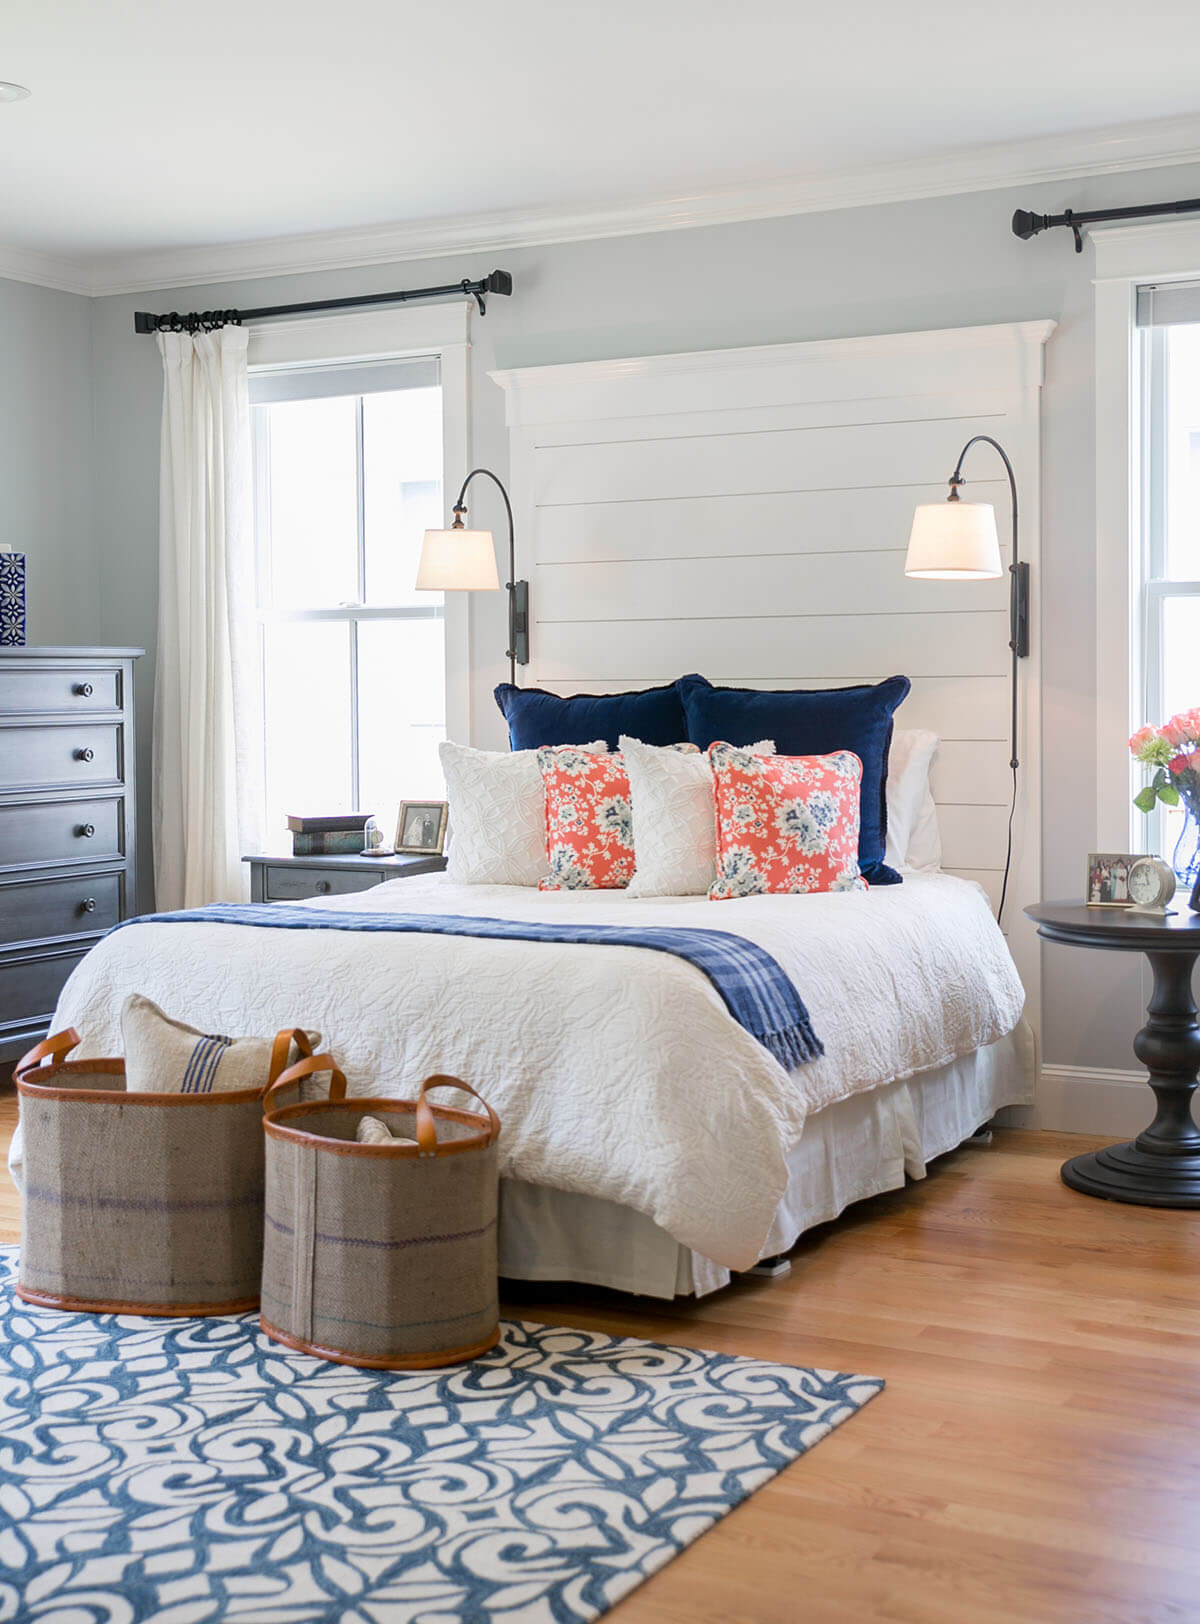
column 674, row 821
column 914, row 841
column 498, row 813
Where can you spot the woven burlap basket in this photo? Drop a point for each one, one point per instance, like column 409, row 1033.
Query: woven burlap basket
column 380, row 1255
column 139, row 1203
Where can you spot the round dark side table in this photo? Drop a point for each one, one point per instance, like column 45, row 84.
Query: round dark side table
column 1161, row 1167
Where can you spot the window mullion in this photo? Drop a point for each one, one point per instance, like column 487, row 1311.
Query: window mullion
column 361, row 531
column 352, row 633
column 360, row 493
column 1154, row 559
column 261, row 466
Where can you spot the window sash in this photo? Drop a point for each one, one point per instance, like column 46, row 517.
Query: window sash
column 384, row 376
column 1155, row 589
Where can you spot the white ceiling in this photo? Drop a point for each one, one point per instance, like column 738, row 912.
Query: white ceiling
column 156, row 128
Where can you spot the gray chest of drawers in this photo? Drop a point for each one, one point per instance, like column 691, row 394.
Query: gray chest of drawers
column 66, row 822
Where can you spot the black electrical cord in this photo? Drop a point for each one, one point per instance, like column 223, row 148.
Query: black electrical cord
column 1018, row 620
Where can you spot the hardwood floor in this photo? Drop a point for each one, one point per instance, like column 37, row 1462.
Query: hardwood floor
column 1036, row 1456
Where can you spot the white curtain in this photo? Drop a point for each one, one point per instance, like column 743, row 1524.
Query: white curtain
column 207, row 704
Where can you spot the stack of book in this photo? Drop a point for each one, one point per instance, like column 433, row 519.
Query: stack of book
column 338, row 835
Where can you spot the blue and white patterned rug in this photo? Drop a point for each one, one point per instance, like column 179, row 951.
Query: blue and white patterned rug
column 183, row 1471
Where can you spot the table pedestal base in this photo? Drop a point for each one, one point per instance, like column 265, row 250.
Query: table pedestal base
column 1161, row 1167
column 1143, row 1178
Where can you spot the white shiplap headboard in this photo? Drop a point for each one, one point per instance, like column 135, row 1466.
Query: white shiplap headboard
column 745, row 513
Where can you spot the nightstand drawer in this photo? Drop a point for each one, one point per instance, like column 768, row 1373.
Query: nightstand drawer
column 59, row 832
column 32, row 910
column 46, row 757
column 292, row 884
column 77, row 690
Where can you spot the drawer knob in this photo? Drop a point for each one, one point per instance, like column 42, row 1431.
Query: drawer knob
column 83, row 689
column 88, row 905
column 84, row 754
column 324, row 887
column 85, row 831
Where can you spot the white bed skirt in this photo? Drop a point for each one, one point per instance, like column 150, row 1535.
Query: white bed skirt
column 855, row 1148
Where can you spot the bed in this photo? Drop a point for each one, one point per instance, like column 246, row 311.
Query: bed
column 650, row 1142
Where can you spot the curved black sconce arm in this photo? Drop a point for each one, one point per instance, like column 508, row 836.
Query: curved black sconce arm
column 517, row 651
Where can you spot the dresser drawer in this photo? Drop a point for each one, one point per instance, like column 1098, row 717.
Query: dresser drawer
column 290, row 884
column 29, row 990
column 56, row 832
column 46, row 757
column 31, row 910
column 77, row 690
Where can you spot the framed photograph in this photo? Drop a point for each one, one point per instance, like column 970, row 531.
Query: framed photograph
column 1107, row 883
column 421, row 827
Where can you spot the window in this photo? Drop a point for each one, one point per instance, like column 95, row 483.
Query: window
column 1168, row 607
column 348, row 475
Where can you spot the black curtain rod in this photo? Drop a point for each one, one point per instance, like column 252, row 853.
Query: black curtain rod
column 1026, row 225
column 207, row 321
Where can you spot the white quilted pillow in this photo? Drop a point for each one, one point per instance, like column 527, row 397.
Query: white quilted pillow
column 498, row 814
column 674, row 822
column 913, row 839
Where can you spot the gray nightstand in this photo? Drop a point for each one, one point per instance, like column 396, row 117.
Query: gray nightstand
column 290, row 879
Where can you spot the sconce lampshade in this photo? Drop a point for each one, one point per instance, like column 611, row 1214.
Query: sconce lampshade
column 954, row 541
column 457, row 561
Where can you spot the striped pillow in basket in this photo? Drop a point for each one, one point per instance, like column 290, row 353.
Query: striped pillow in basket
column 163, row 1056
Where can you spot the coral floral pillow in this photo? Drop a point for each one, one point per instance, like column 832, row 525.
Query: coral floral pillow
column 589, row 818
column 785, row 824
column 589, row 821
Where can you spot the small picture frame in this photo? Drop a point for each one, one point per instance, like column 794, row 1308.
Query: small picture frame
column 1107, row 882
column 421, row 828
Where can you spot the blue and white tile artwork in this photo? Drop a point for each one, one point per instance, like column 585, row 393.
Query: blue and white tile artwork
column 12, row 600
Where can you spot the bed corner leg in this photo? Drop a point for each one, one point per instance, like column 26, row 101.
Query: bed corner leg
column 773, row 1267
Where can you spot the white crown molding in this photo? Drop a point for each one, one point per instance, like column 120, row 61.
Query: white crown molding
column 45, row 271
column 1150, row 144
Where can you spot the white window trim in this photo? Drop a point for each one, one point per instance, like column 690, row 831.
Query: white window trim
column 442, row 330
column 1125, row 257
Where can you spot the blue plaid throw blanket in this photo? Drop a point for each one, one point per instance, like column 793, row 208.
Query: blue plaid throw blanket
column 753, row 986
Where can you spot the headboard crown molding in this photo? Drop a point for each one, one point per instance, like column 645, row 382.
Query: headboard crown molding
column 1005, row 357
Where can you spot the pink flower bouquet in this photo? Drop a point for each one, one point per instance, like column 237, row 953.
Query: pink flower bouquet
column 1173, row 751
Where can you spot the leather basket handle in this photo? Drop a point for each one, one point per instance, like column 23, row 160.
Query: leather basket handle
column 305, row 1068
column 427, row 1128
column 281, row 1048
column 51, row 1048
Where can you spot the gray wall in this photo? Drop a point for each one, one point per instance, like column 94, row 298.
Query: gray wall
column 938, row 263
column 46, row 457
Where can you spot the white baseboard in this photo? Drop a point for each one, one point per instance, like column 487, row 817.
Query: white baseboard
column 1080, row 1099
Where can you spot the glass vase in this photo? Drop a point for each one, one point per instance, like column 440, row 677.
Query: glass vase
column 1186, row 861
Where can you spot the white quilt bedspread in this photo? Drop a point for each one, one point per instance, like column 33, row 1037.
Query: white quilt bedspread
column 616, row 1071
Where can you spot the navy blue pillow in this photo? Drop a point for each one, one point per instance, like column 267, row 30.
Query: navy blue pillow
column 811, row 722
column 535, row 717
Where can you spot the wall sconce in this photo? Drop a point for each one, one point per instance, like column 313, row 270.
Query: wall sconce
column 957, row 541
column 462, row 560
